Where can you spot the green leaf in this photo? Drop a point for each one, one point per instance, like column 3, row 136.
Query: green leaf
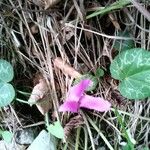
column 132, row 68
column 90, row 77
column 99, row 72
column 7, row 136
column 7, row 94
column 6, row 71
column 122, row 45
column 56, row 129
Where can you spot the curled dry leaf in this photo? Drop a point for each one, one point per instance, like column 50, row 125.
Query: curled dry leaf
column 40, row 95
column 66, row 68
column 45, row 3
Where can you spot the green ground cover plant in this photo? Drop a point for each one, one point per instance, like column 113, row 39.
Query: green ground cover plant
column 131, row 67
column 7, row 92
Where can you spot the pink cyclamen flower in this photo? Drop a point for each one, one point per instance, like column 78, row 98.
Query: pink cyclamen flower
column 76, row 99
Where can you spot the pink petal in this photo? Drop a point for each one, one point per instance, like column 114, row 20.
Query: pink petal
column 71, row 106
column 77, row 90
column 95, row 103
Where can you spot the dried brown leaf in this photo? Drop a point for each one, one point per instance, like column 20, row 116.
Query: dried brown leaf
column 40, row 95
column 66, row 68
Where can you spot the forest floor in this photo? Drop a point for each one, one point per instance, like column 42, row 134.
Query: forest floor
column 51, row 43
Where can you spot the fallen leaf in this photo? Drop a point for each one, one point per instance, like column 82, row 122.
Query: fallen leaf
column 40, row 95
column 66, row 68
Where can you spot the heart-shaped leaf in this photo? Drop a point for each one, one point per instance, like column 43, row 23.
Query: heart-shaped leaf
column 56, row 129
column 7, row 94
column 6, row 71
column 132, row 68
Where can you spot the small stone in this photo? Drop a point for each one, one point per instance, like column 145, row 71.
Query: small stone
column 11, row 146
column 44, row 141
column 25, row 136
